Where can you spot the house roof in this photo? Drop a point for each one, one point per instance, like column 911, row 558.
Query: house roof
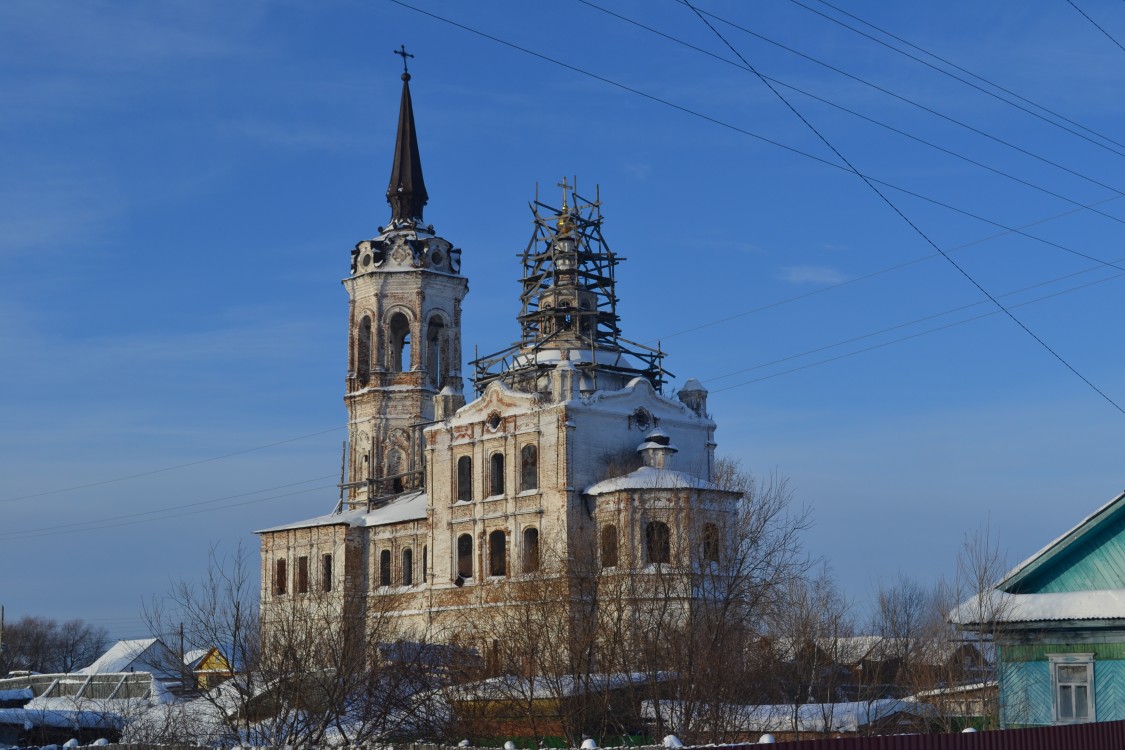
column 806, row 717
column 410, row 506
column 1060, row 553
column 1000, row 606
column 137, row 655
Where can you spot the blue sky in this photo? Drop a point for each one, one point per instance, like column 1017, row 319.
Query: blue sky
column 181, row 184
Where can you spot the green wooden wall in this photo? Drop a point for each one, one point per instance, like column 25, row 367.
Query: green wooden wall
column 1093, row 562
column 1025, row 691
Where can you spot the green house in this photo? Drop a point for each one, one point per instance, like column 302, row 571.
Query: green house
column 1058, row 623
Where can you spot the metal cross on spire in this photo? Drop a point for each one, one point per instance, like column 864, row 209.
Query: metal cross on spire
column 401, row 52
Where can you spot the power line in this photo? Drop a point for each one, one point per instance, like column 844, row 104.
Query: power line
column 157, row 511
column 852, row 112
column 1096, row 25
column 872, row 274
column 958, row 78
column 932, row 316
column 164, row 469
column 968, row 72
column 90, row 527
column 903, row 99
column 883, row 344
column 906, row 219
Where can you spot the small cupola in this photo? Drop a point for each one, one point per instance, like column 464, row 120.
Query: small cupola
column 694, row 396
column 657, row 450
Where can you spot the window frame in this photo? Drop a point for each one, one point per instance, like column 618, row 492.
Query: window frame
column 280, row 577
column 653, row 537
column 496, row 483
column 529, row 549
column 302, row 582
column 385, row 564
column 407, row 574
column 529, row 467
column 467, row 556
column 1059, row 661
column 606, row 560
column 464, row 479
column 326, row 573
column 497, row 554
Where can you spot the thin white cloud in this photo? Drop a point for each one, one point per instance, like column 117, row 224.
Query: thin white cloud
column 807, row 274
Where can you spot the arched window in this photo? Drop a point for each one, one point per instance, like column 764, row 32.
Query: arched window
column 465, row 556
column 529, row 468
column 609, row 546
column 425, row 564
column 385, row 568
column 497, row 553
column 530, row 550
column 658, row 542
column 496, row 473
column 710, row 543
column 407, row 567
column 363, row 351
column 434, row 364
column 398, row 340
column 465, row 478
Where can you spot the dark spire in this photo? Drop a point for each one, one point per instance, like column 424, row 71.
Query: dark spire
column 407, row 191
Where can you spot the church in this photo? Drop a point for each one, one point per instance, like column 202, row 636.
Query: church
column 568, row 450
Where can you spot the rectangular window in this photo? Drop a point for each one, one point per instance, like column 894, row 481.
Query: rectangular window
column 280, row 578
column 326, row 573
column 1072, row 682
column 302, row 575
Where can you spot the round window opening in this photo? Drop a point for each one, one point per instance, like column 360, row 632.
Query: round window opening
column 494, row 421
column 642, row 419
column 436, row 257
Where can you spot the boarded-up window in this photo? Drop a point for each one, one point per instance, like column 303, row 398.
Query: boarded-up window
column 465, row 478
column 385, row 568
column 280, row 578
column 710, row 543
column 529, row 468
column 302, row 575
column 497, row 551
column 465, row 556
column 609, row 546
column 496, row 473
column 658, row 542
column 326, row 573
column 530, row 550
column 407, row 567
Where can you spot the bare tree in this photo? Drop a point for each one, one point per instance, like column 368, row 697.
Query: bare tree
column 41, row 644
column 312, row 672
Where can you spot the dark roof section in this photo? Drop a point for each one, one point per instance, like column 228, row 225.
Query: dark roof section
column 407, row 191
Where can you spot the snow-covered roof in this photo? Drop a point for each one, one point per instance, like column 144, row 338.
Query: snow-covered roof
column 954, row 690
column 410, row 506
column 648, row 477
column 1000, row 606
column 1059, row 544
column 562, row 686
column 139, row 655
column 193, row 657
column 807, row 717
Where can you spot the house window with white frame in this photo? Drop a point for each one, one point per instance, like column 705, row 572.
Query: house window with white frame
column 1072, row 687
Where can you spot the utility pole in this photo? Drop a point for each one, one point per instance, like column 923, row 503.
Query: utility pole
column 1, row 635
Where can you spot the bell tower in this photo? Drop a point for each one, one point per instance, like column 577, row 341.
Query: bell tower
column 404, row 331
